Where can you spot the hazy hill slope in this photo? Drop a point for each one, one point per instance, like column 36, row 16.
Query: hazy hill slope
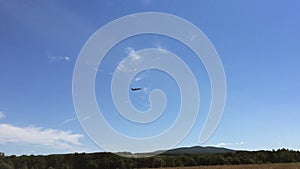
column 199, row 150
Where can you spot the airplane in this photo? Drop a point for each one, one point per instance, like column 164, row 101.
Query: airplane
column 136, row 88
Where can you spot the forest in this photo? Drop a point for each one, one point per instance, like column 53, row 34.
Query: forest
column 112, row 161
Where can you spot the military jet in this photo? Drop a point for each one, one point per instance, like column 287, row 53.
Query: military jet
column 136, row 88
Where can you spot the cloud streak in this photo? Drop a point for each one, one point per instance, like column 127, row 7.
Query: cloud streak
column 54, row 58
column 58, row 139
column 229, row 144
column 2, row 115
column 131, row 66
column 69, row 120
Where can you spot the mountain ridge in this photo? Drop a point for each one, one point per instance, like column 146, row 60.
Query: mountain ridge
column 199, row 150
column 182, row 150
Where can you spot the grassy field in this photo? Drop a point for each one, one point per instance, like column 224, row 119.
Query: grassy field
column 252, row 166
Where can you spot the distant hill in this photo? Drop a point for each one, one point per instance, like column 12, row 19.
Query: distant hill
column 182, row 150
column 199, row 150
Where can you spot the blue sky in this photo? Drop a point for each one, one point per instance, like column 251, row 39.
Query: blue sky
column 257, row 41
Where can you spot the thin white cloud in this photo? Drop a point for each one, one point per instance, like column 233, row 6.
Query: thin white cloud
column 158, row 45
column 229, row 144
column 193, row 37
column 223, row 144
column 2, row 115
column 241, row 143
column 146, row 90
column 69, row 120
column 134, row 61
column 135, row 57
column 129, row 50
column 58, row 139
column 142, row 75
column 66, row 58
column 138, row 78
column 122, row 68
column 55, row 58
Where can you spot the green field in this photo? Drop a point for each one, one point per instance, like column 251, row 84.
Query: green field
column 250, row 166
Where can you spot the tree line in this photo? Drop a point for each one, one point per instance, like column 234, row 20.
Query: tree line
column 112, row 161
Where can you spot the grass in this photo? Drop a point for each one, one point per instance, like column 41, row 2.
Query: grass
column 250, row 166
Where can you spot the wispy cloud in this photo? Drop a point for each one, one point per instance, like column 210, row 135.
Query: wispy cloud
column 57, row 58
column 2, row 115
column 69, row 120
column 146, row 90
column 229, row 144
column 58, row 139
column 130, row 51
column 134, row 61
column 193, row 37
column 138, row 78
column 158, row 45
column 141, row 76
column 242, row 143
column 223, row 144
